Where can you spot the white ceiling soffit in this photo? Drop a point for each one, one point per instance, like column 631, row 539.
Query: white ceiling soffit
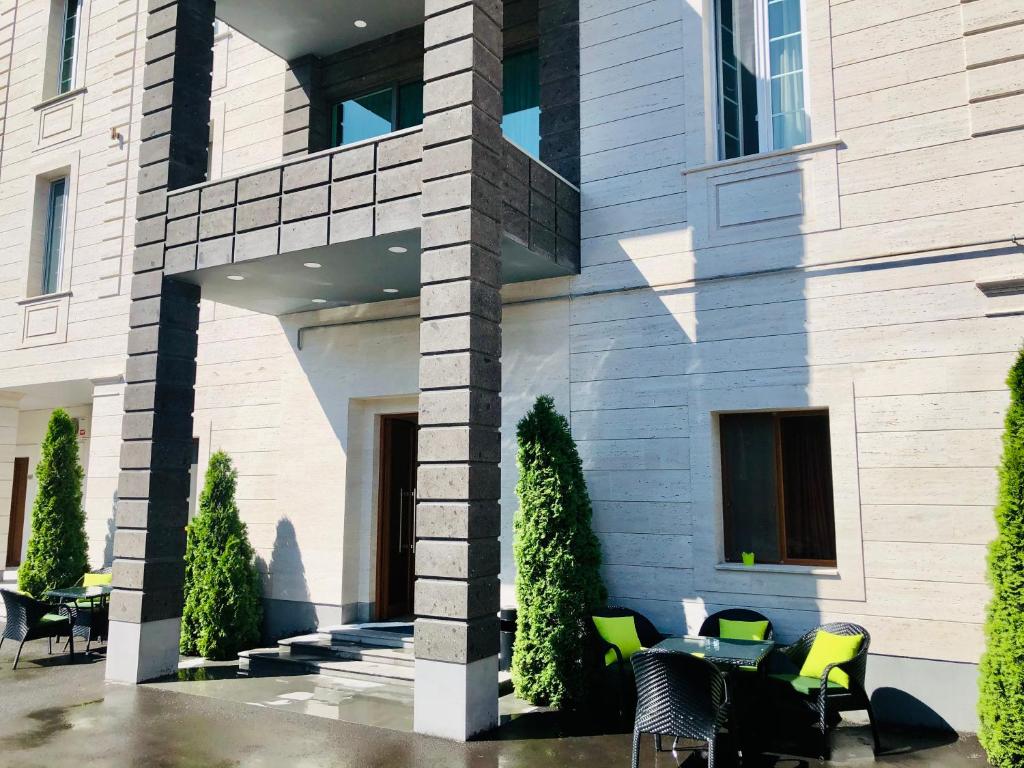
column 322, row 27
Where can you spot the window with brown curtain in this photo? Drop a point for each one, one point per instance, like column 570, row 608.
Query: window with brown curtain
column 777, row 487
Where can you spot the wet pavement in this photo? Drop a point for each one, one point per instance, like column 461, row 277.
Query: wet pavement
column 52, row 713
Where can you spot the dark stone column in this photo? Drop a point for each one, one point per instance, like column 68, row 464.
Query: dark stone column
column 306, row 117
column 145, row 612
column 559, row 51
column 458, row 523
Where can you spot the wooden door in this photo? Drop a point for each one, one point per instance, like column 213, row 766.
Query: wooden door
column 16, row 526
column 396, row 542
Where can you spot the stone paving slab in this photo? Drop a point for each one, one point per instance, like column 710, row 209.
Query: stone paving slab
column 53, row 713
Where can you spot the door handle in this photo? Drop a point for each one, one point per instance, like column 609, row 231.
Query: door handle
column 415, row 511
column 401, row 520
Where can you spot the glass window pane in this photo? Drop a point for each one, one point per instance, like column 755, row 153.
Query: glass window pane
column 785, row 55
column 68, row 45
column 749, row 487
column 410, row 105
column 737, row 78
column 521, row 94
column 785, row 59
column 807, row 487
column 789, row 129
column 54, row 242
column 366, row 117
column 788, row 93
column 783, row 17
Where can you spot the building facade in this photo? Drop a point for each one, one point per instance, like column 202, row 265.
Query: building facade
column 762, row 254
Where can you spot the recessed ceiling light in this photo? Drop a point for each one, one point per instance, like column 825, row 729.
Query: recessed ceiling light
column 390, row 290
column 312, row 265
column 236, row 277
column 319, row 301
column 359, row 23
column 397, row 249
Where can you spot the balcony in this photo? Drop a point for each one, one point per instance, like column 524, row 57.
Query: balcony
column 318, row 27
column 342, row 227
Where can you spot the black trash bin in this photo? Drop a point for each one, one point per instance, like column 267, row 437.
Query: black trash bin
column 507, row 628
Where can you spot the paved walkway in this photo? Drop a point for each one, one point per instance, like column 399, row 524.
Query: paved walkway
column 55, row 714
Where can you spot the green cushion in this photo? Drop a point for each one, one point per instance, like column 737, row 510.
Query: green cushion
column 97, row 579
column 806, row 685
column 619, row 631
column 53, row 618
column 742, row 630
column 831, row 649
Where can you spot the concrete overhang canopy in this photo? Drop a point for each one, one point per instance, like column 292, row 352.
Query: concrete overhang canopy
column 320, row 27
column 343, row 227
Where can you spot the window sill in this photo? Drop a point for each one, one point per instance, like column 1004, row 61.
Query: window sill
column 806, row 570
column 797, row 150
column 42, row 298
column 67, row 96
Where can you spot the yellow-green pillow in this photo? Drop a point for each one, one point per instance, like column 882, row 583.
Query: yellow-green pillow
column 620, row 631
column 831, row 649
column 742, row 630
column 97, row 579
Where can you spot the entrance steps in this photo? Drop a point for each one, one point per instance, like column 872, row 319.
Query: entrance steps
column 370, row 650
column 8, row 580
column 381, row 650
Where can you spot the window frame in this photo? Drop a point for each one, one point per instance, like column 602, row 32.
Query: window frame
column 727, row 523
column 766, row 139
column 68, row 67
column 394, row 88
column 47, row 256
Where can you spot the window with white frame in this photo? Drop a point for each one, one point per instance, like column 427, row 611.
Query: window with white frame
column 760, row 75
column 53, row 237
column 67, row 53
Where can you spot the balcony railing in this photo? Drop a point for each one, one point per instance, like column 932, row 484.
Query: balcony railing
column 356, row 212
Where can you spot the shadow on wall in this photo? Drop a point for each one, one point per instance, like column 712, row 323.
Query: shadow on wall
column 288, row 611
column 108, row 542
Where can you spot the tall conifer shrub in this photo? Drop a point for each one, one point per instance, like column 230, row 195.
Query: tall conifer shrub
column 57, row 545
column 558, row 561
column 223, row 608
column 1001, row 704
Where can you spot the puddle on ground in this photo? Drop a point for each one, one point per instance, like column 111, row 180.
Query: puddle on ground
column 205, row 674
column 49, row 722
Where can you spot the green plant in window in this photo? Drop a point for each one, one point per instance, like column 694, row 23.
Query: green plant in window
column 1001, row 703
column 558, row 561
column 223, row 599
column 56, row 554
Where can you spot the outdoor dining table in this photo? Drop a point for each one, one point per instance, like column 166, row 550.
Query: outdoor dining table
column 731, row 654
column 73, row 594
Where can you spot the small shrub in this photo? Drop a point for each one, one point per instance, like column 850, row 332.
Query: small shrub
column 223, row 599
column 1001, row 704
column 56, row 554
column 558, row 562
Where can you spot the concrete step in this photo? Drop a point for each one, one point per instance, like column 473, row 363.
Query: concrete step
column 317, row 645
column 264, row 661
column 381, row 635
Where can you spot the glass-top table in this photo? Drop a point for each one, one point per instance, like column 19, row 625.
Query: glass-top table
column 729, row 653
column 80, row 593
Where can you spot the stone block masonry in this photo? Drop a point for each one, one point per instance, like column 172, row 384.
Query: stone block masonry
column 156, row 449
column 457, row 557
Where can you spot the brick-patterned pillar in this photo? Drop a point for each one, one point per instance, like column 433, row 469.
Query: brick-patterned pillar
column 559, row 50
column 306, row 118
column 458, row 522
column 149, row 544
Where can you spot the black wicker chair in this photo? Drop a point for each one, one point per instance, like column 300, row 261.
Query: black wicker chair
column 710, row 626
column 678, row 695
column 620, row 670
column 825, row 700
column 31, row 619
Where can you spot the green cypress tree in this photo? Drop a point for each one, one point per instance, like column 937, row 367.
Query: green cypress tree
column 558, row 563
column 57, row 546
column 1001, row 704
column 223, row 599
